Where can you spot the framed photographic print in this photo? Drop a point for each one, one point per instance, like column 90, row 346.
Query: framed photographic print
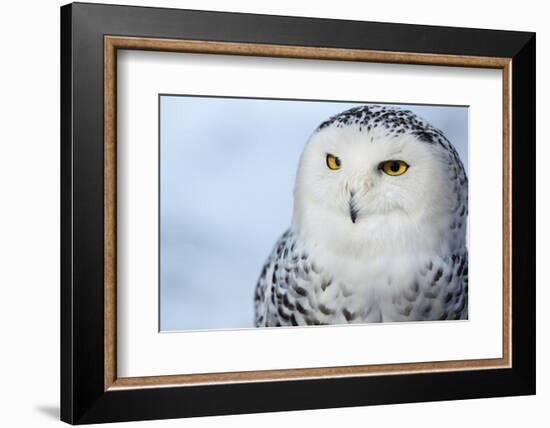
column 265, row 213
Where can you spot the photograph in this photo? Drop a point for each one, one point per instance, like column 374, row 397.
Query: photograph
column 291, row 212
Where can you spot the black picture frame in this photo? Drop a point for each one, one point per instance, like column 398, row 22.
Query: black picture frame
column 83, row 396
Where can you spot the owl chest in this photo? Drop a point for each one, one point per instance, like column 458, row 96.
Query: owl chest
column 375, row 278
column 351, row 292
column 424, row 287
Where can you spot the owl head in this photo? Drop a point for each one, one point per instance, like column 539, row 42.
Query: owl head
column 383, row 178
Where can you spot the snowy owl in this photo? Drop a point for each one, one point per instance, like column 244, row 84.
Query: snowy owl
column 378, row 231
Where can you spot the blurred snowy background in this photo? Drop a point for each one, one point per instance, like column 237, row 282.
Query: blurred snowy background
column 227, row 169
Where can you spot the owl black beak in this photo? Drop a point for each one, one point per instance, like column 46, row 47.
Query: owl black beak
column 353, row 210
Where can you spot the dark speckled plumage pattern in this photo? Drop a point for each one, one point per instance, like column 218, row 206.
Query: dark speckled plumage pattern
column 293, row 290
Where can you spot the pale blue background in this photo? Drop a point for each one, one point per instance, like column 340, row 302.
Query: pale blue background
column 227, row 169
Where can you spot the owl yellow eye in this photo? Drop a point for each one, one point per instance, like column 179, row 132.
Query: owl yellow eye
column 394, row 167
column 333, row 162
